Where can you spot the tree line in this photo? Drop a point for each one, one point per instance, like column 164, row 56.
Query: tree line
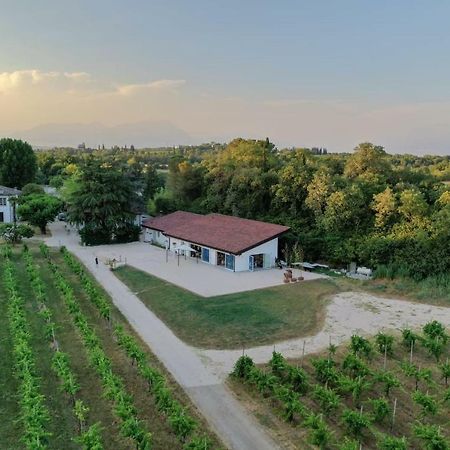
column 390, row 212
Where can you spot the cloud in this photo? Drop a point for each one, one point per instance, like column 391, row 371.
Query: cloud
column 22, row 79
column 78, row 76
column 157, row 85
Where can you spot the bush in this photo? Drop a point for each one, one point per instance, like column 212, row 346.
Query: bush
column 393, row 443
column 384, row 342
column 127, row 233
column 91, row 235
column 14, row 234
column 32, row 188
column 243, row 367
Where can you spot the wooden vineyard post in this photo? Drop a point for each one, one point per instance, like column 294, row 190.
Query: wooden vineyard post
column 303, row 352
column 385, row 357
column 411, row 352
column 393, row 414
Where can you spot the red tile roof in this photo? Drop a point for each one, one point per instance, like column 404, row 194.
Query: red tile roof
column 226, row 233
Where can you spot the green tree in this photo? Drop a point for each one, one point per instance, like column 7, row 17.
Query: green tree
column 368, row 160
column 385, row 206
column 153, row 182
column 412, row 205
column 318, row 191
column 18, row 164
column 39, row 209
column 100, row 202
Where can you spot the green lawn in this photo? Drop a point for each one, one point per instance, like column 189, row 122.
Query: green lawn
column 236, row 320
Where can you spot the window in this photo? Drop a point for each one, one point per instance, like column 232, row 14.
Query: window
column 2, row 201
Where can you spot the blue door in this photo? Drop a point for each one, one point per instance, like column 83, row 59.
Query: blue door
column 205, row 254
column 229, row 262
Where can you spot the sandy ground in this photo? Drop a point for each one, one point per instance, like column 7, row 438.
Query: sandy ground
column 198, row 277
column 347, row 314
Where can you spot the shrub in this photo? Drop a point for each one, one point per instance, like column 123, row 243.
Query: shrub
column 243, row 367
column 380, row 409
column 360, row 345
column 355, row 422
column 13, row 234
column 384, row 343
column 392, row 443
column 432, row 437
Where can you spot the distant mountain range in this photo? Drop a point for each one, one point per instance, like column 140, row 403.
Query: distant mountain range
column 139, row 134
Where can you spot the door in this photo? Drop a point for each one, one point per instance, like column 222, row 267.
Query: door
column 251, row 263
column 2, row 217
column 229, row 262
column 205, row 254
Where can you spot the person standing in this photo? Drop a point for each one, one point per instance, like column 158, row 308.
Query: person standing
column 96, row 261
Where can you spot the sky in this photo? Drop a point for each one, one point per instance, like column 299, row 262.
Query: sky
column 304, row 73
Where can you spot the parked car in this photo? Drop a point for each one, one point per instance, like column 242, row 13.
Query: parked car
column 62, row 216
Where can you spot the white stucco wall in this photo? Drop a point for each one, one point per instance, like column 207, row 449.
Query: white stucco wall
column 154, row 236
column 7, row 211
column 269, row 248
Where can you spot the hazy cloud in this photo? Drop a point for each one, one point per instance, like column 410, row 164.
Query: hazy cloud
column 158, row 85
column 20, row 79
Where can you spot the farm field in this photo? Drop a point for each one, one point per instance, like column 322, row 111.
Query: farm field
column 236, row 320
column 389, row 393
column 72, row 373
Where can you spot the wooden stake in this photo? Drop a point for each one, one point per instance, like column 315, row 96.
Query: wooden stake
column 303, row 353
column 393, row 414
column 411, row 352
column 385, row 357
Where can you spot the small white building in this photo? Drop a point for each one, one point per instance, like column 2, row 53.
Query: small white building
column 7, row 209
column 227, row 241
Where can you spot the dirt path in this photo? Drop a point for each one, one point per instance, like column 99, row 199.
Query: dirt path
column 226, row 416
column 348, row 313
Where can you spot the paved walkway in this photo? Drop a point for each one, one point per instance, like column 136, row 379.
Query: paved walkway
column 201, row 278
column 227, row 417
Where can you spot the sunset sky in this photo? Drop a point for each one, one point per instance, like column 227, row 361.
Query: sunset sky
column 322, row 73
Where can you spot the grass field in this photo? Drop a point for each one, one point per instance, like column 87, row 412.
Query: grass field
column 236, row 320
column 62, row 424
column 293, row 415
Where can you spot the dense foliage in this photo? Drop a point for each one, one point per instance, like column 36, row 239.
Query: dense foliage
column 13, row 233
column 390, row 212
column 18, row 163
column 369, row 207
column 39, row 209
column 100, row 200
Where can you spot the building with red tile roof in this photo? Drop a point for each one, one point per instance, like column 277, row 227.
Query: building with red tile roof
column 235, row 243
